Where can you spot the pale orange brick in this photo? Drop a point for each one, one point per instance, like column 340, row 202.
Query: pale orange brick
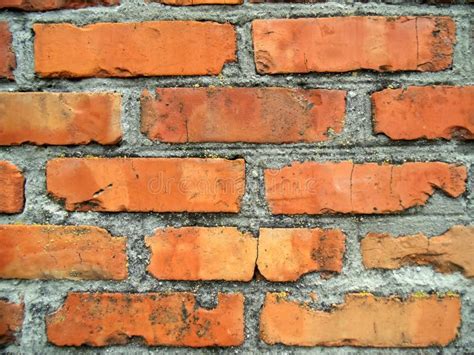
column 174, row 319
column 370, row 188
column 133, row 49
column 341, row 44
column 199, row 253
column 450, row 252
column 11, row 188
column 362, row 320
column 61, row 252
column 147, row 184
column 285, row 254
column 59, row 118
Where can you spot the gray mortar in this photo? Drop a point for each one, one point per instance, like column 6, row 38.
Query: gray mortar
column 356, row 142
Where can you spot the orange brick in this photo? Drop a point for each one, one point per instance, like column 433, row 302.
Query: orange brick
column 342, row 44
column 65, row 118
column 11, row 188
column 44, row 5
column 363, row 320
column 100, row 319
column 147, row 184
column 193, row 253
column 450, row 252
column 285, row 254
column 7, row 57
column 133, row 49
column 425, row 112
column 254, row 115
column 11, row 319
column 319, row 188
column 57, row 252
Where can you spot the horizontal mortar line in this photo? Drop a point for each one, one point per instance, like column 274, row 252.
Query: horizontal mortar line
column 244, row 13
column 358, row 281
column 217, row 219
column 327, row 153
column 365, row 80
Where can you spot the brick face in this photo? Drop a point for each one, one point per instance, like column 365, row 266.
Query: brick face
column 133, row 49
column 12, row 188
column 425, row 112
column 353, row 43
column 44, row 5
column 448, row 253
column 174, row 319
column 11, row 319
column 369, row 188
column 287, row 254
column 147, row 184
column 7, row 57
column 194, row 253
column 362, row 320
column 64, row 118
column 254, row 115
column 57, row 252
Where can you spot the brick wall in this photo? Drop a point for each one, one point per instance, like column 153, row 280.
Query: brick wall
column 244, row 176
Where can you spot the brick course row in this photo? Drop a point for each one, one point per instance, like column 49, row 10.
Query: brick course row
column 229, row 115
column 218, row 185
column 102, row 319
column 219, row 253
column 160, row 48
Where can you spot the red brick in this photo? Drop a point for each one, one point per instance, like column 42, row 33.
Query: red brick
column 57, row 252
column 201, row 2
column 174, row 319
column 7, row 57
column 285, row 254
column 44, row 5
column 363, row 320
column 450, row 252
column 254, row 115
column 147, row 184
column 343, row 44
column 11, row 188
column 11, row 319
column 319, row 188
column 59, row 118
column 133, row 49
column 193, row 253
column 425, row 112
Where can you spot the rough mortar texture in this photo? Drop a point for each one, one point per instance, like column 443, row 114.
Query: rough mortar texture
column 356, row 143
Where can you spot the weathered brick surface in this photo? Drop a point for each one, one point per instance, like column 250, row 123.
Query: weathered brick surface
column 352, row 43
column 193, row 253
column 285, row 254
column 147, row 184
column 7, row 57
column 255, row 115
column 369, row 188
column 59, row 118
column 11, row 319
column 453, row 251
column 44, row 5
column 61, row 252
column 100, row 319
column 425, row 112
column 11, row 188
column 133, row 49
column 362, row 320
